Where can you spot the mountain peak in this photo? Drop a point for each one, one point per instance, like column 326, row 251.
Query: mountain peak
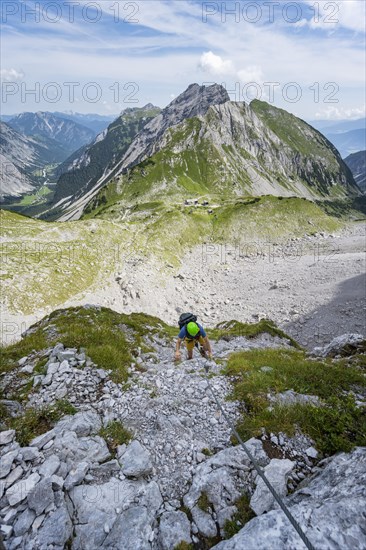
column 202, row 97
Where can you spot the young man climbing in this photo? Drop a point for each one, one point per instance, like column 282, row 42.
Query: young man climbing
column 194, row 335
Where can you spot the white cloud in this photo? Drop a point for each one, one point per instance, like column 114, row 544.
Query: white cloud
column 340, row 113
column 215, row 65
column 251, row 73
column 349, row 14
column 11, row 75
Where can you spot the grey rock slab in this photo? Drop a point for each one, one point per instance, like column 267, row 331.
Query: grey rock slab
column 337, row 345
column 74, row 449
column 7, row 437
column 53, row 368
column 96, row 505
column 290, row 397
column 277, row 473
column 82, row 423
column 57, row 482
column 329, row 509
column 23, row 522
column 19, row 491
column 6, row 463
column 66, row 354
column 76, row 475
column 136, row 460
column 311, row 452
column 174, row 528
column 49, row 466
column 41, row 496
column 14, row 475
column 28, row 453
column 221, row 476
column 41, row 440
column 205, row 524
column 131, row 531
column 6, row 530
column 55, row 530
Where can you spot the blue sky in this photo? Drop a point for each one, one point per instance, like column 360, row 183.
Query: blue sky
column 306, row 57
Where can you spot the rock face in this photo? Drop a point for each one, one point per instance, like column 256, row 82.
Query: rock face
column 194, row 101
column 347, row 344
column 357, row 164
column 329, row 509
column 19, row 155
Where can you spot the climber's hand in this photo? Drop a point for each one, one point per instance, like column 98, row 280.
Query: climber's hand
column 177, row 356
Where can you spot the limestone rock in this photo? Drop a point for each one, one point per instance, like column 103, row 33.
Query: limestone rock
column 174, row 528
column 6, row 437
column 135, row 461
column 329, row 508
column 277, row 473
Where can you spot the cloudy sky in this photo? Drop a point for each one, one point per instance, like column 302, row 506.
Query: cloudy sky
column 101, row 57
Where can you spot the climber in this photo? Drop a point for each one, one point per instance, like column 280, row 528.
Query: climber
column 194, row 335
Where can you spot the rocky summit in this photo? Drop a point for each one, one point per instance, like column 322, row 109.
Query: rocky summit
column 176, row 481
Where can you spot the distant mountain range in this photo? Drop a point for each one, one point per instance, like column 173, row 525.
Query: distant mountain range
column 21, row 156
column 68, row 134
column 357, row 164
column 348, row 136
column 48, row 140
column 203, row 143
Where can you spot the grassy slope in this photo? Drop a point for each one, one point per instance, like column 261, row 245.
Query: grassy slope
column 45, row 264
column 335, row 424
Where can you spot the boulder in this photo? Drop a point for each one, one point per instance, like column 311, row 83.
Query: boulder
column 19, row 491
column 6, row 463
column 174, row 528
column 131, row 531
column 344, row 345
column 277, row 473
column 99, row 505
column 49, row 466
column 55, row 530
column 82, row 423
column 24, row 522
column 41, row 496
column 135, row 461
column 76, row 475
column 6, row 437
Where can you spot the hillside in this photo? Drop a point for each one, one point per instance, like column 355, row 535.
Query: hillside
column 357, row 164
column 204, row 144
column 85, row 167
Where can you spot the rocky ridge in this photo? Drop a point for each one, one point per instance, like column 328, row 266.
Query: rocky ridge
column 66, row 488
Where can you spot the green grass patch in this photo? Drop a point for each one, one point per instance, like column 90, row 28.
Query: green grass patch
column 183, row 545
column 203, row 502
column 10, row 355
column 234, row 329
column 115, row 434
column 240, row 518
column 35, row 422
column 336, row 424
column 110, row 339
